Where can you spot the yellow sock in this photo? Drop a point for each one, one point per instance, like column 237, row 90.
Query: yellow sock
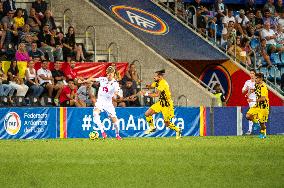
column 173, row 127
column 149, row 119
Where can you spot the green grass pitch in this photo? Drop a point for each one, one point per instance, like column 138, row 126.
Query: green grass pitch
column 144, row 162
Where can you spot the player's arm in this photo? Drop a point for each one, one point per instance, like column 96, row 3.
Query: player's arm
column 151, row 94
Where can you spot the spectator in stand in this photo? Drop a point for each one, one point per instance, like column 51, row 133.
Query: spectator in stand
column 58, row 39
column 268, row 18
column 59, row 80
column 279, row 7
column 9, row 33
column 229, row 17
column 70, row 72
column 245, row 43
column 35, row 90
column 45, row 78
column 9, row 5
column 237, row 51
column 128, row 91
column 258, row 20
column 262, row 50
column 270, row 36
column 34, row 21
column 27, row 37
column 132, row 74
column 40, row 7
column 6, row 90
column 280, row 35
column 36, row 54
column 228, row 35
column 281, row 19
column 22, row 54
column 70, row 48
column 47, row 42
column 250, row 6
column 270, row 6
column 242, row 22
column 19, row 19
column 68, row 95
column 15, row 80
column 2, row 14
column 220, row 8
column 86, row 94
column 201, row 13
column 48, row 20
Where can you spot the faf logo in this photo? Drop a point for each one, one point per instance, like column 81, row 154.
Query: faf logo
column 141, row 19
column 12, row 123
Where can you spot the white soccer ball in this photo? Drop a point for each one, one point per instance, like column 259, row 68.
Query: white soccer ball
column 94, row 135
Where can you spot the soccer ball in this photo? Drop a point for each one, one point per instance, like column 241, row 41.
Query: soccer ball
column 94, row 135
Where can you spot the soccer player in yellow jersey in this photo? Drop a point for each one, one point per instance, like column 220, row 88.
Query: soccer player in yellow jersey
column 259, row 113
column 165, row 104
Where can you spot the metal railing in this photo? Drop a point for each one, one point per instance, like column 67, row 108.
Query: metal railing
column 93, row 40
column 67, row 18
column 109, row 49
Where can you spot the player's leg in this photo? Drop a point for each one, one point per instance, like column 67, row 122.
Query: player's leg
column 168, row 114
column 263, row 114
column 112, row 114
column 97, row 120
column 149, row 118
column 252, row 115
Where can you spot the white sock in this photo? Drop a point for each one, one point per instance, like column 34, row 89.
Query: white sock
column 250, row 126
column 116, row 127
column 97, row 120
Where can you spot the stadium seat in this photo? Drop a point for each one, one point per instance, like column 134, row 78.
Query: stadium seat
column 275, row 59
column 264, row 71
column 254, row 43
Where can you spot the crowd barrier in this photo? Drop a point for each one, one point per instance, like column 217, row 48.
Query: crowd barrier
column 61, row 122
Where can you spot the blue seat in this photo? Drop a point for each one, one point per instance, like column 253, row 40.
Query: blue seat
column 264, row 71
column 275, row 59
column 282, row 57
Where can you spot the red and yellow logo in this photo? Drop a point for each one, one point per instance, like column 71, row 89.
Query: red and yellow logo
column 141, row 19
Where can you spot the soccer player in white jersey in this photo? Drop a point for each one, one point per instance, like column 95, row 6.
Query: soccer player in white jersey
column 109, row 88
column 248, row 89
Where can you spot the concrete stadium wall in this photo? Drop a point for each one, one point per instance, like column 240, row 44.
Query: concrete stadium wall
column 131, row 48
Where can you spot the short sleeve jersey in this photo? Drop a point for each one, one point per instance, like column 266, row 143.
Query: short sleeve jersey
column 165, row 98
column 261, row 91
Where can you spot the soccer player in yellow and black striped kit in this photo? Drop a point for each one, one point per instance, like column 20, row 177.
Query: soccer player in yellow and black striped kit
column 259, row 113
column 165, row 104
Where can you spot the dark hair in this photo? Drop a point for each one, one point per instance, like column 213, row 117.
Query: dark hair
column 259, row 75
column 252, row 70
column 161, row 72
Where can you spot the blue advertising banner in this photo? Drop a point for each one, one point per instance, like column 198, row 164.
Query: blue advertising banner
column 132, row 122
column 28, row 123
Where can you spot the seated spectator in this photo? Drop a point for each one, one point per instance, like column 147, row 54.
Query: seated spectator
column 268, row 18
column 245, row 44
column 27, row 37
column 229, row 17
column 132, row 74
column 2, row 14
column 34, row 21
column 16, row 81
column 68, row 95
column 250, row 6
column 40, row 7
column 220, row 8
column 258, row 20
column 36, row 54
column 6, row 90
column 22, row 54
column 270, row 36
column 279, row 35
column 9, row 32
column 19, row 19
column 262, row 50
column 71, row 73
column 47, row 44
column 228, row 35
column 48, row 20
column 59, row 80
column 86, row 94
column 278, row 7
column 58, row 39
column 281, row 19
column 32, row 81
column 9, row 5
column 237, row 51
column 70, row 48
column 45, row 78
column 128, row 91
column 270, row 6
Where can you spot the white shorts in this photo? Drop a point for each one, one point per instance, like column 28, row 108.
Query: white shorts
column 107, row 107
column 251, row 104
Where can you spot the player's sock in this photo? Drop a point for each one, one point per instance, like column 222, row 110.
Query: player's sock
column 250, row 126
column 116, row 127
column 173, row 127
column 149, row 119
column 97, row 121
column 262, row 131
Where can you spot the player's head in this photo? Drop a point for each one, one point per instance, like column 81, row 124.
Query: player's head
column 110, row 72
column 258, row 78
column 159, row 75
column 252, row 74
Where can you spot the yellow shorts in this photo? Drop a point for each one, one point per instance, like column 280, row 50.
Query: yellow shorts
column 260, row 114
column 168, row 112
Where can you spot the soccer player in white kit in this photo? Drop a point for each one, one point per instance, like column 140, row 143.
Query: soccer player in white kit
column 109, row 88
column 249, row 88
